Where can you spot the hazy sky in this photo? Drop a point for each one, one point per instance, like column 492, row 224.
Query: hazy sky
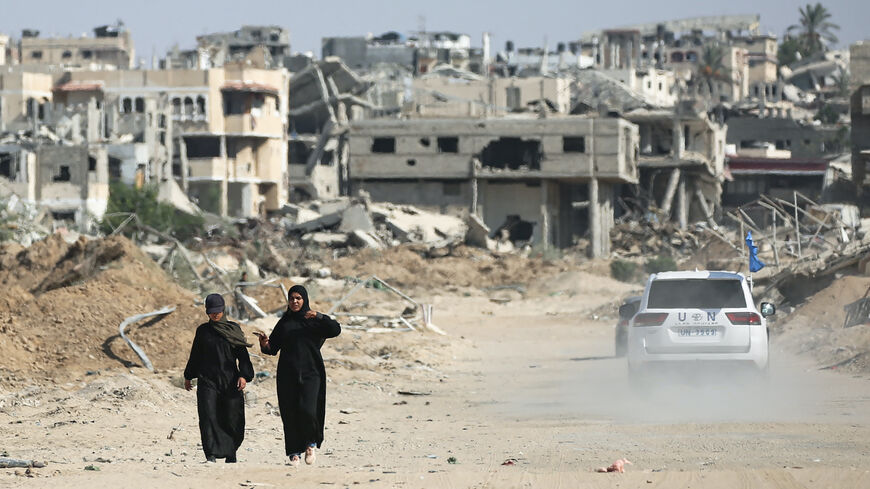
column 158, row 24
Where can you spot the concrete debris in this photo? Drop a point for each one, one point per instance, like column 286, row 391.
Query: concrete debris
column 358, row 223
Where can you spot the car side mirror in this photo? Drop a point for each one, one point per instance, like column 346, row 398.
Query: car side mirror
column 767, row 309
column 626, row 311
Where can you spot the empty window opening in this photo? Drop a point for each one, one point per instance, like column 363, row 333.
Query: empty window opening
column 203, row 147
column 384, row 145
column 63, row 216
column 6, row 165
column 691, row 56
column 63, row 174
column 575, row 144
column 176, row 106
column 114, row 168
column 412, row 162
column 188, row 106
column 450, row 188
column 676, row 57
column 66, row 55
column 297, row 152
column 512, row 154
column 448, row 145
column 514, row 229
column 126, row 106
column 140, row 105
column 200, row 105
column 36, row 54
column 425, row 142
column 92, row 163
column 87, row 54
column 161, row 121
column 328, row 158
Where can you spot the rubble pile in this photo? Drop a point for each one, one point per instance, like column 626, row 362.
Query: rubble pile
column 22, row 222
column 362, row 224
column 648, row 238
column 64, row 299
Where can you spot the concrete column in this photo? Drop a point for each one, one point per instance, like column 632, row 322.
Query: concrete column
column 682, row 204
column 225, row 183
column 669, row 192
column 182, row 153
column 594, row 219
column 679, row 143
column 545, row 216
column 248, row 192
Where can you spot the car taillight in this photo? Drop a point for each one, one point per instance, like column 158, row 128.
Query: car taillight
column 744, row 318
column 650, row 318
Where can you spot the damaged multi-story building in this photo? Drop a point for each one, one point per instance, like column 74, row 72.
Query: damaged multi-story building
column 111, row 47
column 325, row 97
column 254, row 46
column 419, row 52
column 548, row 181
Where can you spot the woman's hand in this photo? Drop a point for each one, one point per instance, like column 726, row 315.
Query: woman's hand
column 241, row 383
column 264, row 340
column 311, row 314
column 187, row 385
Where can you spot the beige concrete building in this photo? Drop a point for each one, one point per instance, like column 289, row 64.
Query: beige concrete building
column 556, row 176
column 859, row 64
column 4, row 46
column 71, row 182
column 681, row 162
column 762, row 54
column 229, row 126
column 446, row 96
column 22, row 94
column 111, row 47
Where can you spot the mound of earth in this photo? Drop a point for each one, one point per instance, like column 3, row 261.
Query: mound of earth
column 65, row 301
column 816, row 327
column 404, row 267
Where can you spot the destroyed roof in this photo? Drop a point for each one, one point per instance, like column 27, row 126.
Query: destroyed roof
column 248, row 86
column 596, row 88
column 448, row 71
column 704, row 23
column 777, row 166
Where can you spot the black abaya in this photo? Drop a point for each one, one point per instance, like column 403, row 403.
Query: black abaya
column 301, row 376
column 221, row 406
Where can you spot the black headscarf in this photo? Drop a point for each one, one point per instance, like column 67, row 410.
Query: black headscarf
column 305, row 307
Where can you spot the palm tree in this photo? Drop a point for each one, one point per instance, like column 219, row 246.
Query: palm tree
column 815, row 30
column 711, row 67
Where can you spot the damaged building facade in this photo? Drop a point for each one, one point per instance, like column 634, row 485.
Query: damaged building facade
column 547, row 181
column 325, row 97
column 111, row 47
column 681, row 162
column 220, row 133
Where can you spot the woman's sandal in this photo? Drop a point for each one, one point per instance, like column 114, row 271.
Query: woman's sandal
column 310, row 456
column 294, row 460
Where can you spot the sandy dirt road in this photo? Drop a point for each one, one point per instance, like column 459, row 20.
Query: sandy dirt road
column 522, row 382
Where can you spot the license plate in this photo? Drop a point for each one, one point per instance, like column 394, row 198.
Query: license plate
column 692, row 332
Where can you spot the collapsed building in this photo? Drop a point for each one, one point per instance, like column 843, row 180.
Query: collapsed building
column 545, row 181
column 256, row 46
column 326, row 96
column 419, row 53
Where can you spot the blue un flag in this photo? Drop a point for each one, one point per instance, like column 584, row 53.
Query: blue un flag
column 754, row 263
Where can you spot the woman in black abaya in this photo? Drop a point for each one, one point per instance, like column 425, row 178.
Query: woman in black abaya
column 219, row 359
column 301, row 377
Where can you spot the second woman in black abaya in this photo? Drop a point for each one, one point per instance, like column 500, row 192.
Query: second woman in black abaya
column 301, row 377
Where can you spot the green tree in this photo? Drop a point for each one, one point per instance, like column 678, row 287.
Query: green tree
column 124, row 199
column 789, row 51
column 711, row 67
column 814, row 30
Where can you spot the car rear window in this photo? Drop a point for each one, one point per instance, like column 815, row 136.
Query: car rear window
column 695, row 293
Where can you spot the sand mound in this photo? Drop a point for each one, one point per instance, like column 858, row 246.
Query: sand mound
column 464, row 267
column 65, row 301
column 816, row 327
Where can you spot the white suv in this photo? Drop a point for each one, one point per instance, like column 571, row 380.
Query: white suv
column 697, row 317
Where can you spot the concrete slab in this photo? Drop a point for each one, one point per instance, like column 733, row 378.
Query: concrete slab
column 356, row 218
